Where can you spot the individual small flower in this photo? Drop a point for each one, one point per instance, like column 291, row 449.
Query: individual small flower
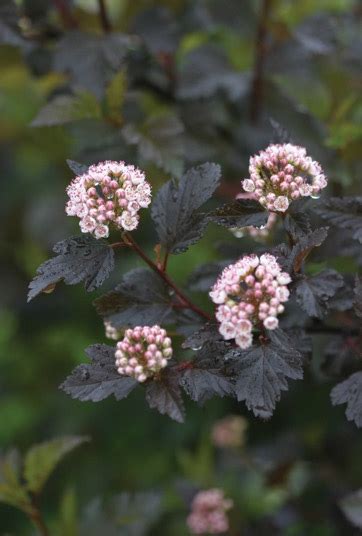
column 143, row 352
column 258, row 233
column 109, row 193
column 282, row 173
column 229, row 432
column 249, row 292
column 208, row 512
column 111, row 332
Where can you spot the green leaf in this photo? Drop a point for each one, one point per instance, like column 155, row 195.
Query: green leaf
column 115, row 94
column 41, row 460
column 12, row 492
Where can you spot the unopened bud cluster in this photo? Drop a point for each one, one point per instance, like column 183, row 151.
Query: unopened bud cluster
column 258, row 233
column 143, row 352
column 247, row 293
column 208, row 512
column 108, row 193
column 281, row 174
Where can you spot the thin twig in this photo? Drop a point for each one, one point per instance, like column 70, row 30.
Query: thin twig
column 257, row 88
column 165, row 277
column 103, row 16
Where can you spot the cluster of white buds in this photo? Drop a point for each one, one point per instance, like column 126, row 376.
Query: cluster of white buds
column 108, row 193
column 111, row 332
column 281, row 174
column 248, row 292
column 258, row 233
column 143, row 352
column 208, row 512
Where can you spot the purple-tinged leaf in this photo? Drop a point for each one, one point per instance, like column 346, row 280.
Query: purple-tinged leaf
column 164, row 394
column 343, row 212
column 350, row 392
column 208, row 374
column 80, row 258
column 141, row 299
column 240, row 213
column 174, row 210
column 263, row 372
column 100, row 379
column 314, row 292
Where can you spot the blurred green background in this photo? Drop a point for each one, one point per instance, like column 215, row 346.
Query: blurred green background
column 183, row 96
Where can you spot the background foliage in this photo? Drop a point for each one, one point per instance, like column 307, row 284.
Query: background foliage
column 168, row 85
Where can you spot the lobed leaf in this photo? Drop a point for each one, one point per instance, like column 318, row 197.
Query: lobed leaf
column 313, row 293
column 207, row 375
column 205, row 275
column 174, row 209
column 343, row 212
column 159, row 141
column 99, row 380
column 41, row 460
column 240, row 213
column 80, row 258
column 303, row 247
column 207, row 70
column 207, row 333
column 297, row 224
column 263, row 372
column 350, row 392
column 91, row 60
column 164, row 394
column 141, row 299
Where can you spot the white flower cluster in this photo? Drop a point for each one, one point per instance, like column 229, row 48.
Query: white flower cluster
column 248, row 292
column 108, row 193
column 281, row 174
column 143, row 352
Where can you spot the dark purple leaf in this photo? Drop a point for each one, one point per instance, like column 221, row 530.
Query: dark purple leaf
column 240, row 213
column 80, row 258
column 344, row 212
column 165, row 395
column 350, row 392
column 99, row 379
column 263, row 372
column 174, row 209
column 314, row 292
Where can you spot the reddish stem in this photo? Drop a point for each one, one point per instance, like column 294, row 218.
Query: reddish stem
column 164, row 276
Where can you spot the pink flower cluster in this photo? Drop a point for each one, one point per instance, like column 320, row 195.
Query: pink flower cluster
column 108, row 193
column 143, row 352
column 281, row 174
column 258, row 233
column 208, row 513
column 229, row 432
column 248, row 292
